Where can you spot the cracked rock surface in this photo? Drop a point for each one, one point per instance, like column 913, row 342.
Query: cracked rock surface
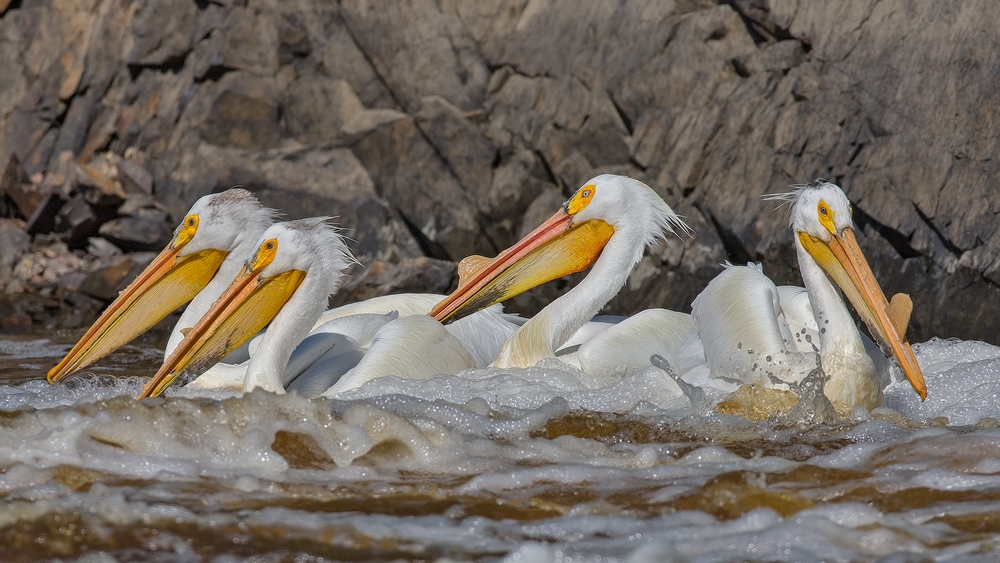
column 431, row 130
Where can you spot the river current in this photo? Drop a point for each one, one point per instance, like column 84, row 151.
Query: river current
column 517, row 465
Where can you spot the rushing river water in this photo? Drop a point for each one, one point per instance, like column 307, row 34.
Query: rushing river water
column 521, row 465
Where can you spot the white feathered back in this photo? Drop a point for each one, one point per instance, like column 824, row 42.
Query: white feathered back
column 415, row 347
column 737, row 318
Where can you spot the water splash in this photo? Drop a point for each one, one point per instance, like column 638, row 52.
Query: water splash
column 531, row 465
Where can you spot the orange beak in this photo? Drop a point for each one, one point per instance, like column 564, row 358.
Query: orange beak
column 843, row 261
column 166, row 284
column 249, row 303
column 556, row 248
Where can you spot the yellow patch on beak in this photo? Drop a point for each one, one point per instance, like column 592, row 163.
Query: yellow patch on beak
column 554, row 253
column 167, row 283
column 559, row 246
column 187, row 231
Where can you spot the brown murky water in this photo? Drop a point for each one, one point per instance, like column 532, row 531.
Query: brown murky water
column 494, row 466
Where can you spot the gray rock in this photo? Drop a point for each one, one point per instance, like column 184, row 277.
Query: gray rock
column 43, row 218
column 13, row 243
column 134, row 177
column 15, row 83
column 77, row 221
column 241, row 111
column 543, row 207
column 104, row 283
column 161, row 33
column 376, row 278
column 144, row 207
column 420, row 275
column 304, row 182
column 340, row 57
column 317, row 108
column 239, row 41
column 468, row 153
column 517, row 182
column 419, row 49
column 97, row 246
column 430, row 128
column 136, row 234
column 421, row 188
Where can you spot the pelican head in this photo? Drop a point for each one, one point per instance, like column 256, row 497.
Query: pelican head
column 824, row 234
column 568, row 242
column 618, row 200
column 821, row 210
column 217, row 222
column 214, row 226
column 295, row 267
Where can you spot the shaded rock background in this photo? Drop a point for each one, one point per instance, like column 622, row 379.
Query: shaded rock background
column 437, row 129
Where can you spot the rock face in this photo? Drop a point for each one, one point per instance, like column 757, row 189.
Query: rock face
column 431, row 129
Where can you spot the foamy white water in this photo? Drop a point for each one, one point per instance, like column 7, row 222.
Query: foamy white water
column 520, row 465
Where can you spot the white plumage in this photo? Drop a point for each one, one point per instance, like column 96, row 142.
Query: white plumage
column 754, row 332
column 308, row 350
column 743, row 331
column 620, row 215
column 232, row 221
column 205, row 252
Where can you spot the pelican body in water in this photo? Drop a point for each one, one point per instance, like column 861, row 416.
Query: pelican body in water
column 206, row 251
column 610, row 220
column 607, row 224
column 748, row 326
column 285, row 285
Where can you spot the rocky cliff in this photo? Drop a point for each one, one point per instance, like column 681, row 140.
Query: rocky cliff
column 436, row 129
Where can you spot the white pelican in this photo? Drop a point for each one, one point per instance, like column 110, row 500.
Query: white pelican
column 285, row 284
column 621, row 216
column 751, row 331
column 206, row 251
column 361, row 342
column 358, row 322
column 608, row 223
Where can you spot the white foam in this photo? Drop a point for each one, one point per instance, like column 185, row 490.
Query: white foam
column 530, row 388
column 510, row 440
column 951, row 481
column 963, row 382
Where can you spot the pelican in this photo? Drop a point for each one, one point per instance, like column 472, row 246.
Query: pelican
column 361, row 342
column 352, row 325
column 611, row 219
column 754, row 332
column 285, row 284
column 206, row 251
column 607, row 223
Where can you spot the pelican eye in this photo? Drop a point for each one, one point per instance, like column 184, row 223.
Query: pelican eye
column 265, row 255
column 581, row 199
column 826, row 216
column 186, row 231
